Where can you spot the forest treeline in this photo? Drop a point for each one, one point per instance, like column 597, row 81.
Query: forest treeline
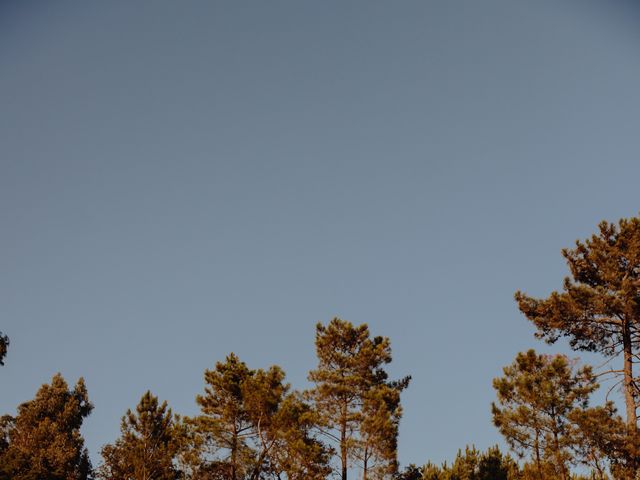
column 252, row 425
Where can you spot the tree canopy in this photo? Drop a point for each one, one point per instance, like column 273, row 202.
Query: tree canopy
column 43, row 442
column 358, row 407
column 536, row 396
column 253, row 427
column 599, row 307
column 148, row 446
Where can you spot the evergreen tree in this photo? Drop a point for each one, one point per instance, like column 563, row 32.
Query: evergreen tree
column 470, row 464
column 253, row 427
column 599, row 307
column 225, row 422
column 43, row 442
column 298, row 455
column 465, row 465
column 431, row 471
column 599, row 435
column 263, row 393
column 536, row 396
column 378, row 445
column 476, row 465
column 493, row 465
column 148, row 446
column 349, row 380
column 412, row 472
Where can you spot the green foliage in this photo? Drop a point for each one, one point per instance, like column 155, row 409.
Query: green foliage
column 225, row 421
column 411, row 472
column 599, row 307
column 298, row 454
column 536, row 396
column 149, row 444
column 378, row 445
column 465, row 466
column 468, row 465
column 493, row 465
column 253, row 427
column 43, row 442
column 600, row 436
column 359, row 408
column 474, row 465
column 433, row 472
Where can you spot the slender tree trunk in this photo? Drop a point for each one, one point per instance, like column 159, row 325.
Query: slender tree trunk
column 629, row 399
column 365, row 466
column 144, row 459
column 234, row 450
column 559, row 461
column 343, row 451
column 343, row 443
column 537, row 449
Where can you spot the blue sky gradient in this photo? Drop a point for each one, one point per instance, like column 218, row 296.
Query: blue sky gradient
column 179, row 180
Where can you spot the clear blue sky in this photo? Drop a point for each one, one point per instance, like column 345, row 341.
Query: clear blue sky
column 179, row 180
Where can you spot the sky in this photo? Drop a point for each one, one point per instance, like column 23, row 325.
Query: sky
column 182, row 180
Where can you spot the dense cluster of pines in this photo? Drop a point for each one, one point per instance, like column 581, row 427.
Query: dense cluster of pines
column 253, row 426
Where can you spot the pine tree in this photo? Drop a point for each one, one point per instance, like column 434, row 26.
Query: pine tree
column 378, row 445
column 225, row 422
column 413, row 472
column 349, row 380
column 493, row 465
column 148, row 445
column 599, row 307
column 473, row 464
column 465, row 465
column 253, row 427
column 470, row 464
column 599, row 435
column 43, row 442
column 536, row 396
column 431, row 471
column 298, row 454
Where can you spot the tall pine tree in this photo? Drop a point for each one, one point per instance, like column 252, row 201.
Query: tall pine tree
column 225, row 423
column 43, row 442
column 354, row 398
column 536, row 397
column 253, row 427
column 599, row 307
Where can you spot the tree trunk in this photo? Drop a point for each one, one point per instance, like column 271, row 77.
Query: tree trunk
column 343, row 445
column 366, row 461
column 559, row 460
column 234, row 451
column 537, row 450
column 629, row 399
